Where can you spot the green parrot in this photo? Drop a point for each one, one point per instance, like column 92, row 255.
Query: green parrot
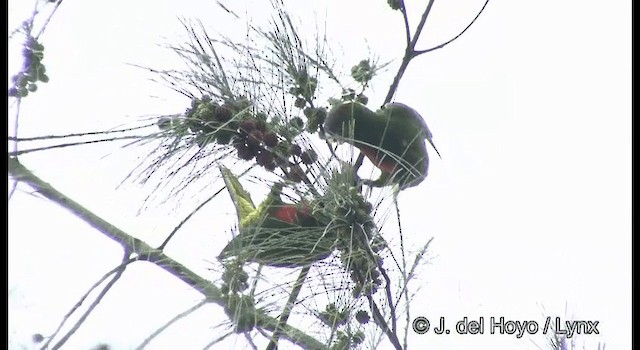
column 392, row 138
column 275, row 233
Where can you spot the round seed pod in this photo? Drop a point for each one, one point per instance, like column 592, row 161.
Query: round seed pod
column 255, row 138
column 296, row 174
column 244, row 152
column 309, row 156
column 296, row 150
column 248, row 125
column 270, row 139
column 265, row 159
column 300, row 102
column 261, row 125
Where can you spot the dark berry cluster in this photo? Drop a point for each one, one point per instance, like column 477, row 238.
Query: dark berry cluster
column 252, row 135
column 32, row 69
column 213, row 122
column 362, row 317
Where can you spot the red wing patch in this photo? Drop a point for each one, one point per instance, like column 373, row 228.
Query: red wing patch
column 287, row 213
column 386, row 164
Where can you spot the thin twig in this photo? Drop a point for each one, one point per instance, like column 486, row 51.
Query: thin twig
column 15, row 143
column 52, row 137
column 284, row 316
column 103, row 292
column 405, row 17
column 253, row 345
column 404, row 271
column 170, row 322
column 408, row 55
column 83, row 298
column 380, row 321
column 216, row 340
column 420, row 52
column 70, row 144
column 184, row 221
column 46, row 22
column 147, row 253
column 414, row 266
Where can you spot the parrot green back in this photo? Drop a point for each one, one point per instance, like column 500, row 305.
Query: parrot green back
column 265, row 239
column 293, row 246
column 394, row 135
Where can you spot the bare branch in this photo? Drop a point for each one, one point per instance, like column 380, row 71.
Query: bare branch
column 84, row 297
column 420, row 52
column 409, row 54
column 147, row 253
column 46, row 22
column 170, row 322
column 407, row 30
column 91, row 133
column 380, row 321
column 284, row 316
column 103, row 292
column 79, row 143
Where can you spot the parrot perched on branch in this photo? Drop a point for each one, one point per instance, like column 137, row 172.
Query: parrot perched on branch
column 392, row 138
column 275, row 233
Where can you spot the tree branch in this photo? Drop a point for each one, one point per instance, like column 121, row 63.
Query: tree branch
column 125, row 262
column 148, row 253
column 405, row 17
column 408, row 54
column 79, row 143
column 420, row 52
column 103, row 292
column 170, row 322
column 382, row 323
column 284, row 317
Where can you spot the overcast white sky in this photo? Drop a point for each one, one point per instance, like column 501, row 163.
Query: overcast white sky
column 530, row 206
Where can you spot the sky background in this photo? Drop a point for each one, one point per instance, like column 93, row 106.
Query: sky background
column 530, row 206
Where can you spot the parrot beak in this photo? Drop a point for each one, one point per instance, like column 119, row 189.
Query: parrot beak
column 434, row 147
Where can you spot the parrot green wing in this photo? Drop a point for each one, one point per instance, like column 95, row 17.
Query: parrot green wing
column 283, row 247
column 267, row 237
column 392, row 138
column 241, row 199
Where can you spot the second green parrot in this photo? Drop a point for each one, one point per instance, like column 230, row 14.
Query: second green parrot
column 392, row 138
column 275, row 233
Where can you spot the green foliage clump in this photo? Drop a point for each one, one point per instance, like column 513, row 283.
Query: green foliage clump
column 241, row 310
column 359, row 241
column 363, row 72
column 348, row 340
column 334, row 317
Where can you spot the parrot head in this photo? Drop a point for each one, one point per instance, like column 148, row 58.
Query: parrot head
column 392, row 138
